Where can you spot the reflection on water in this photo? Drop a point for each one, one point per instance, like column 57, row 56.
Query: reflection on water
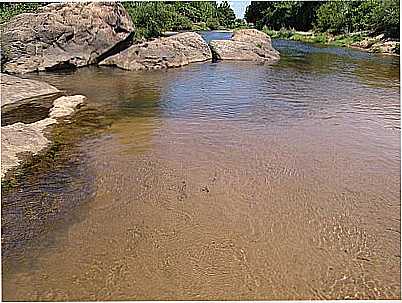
column 371, row 69
column 215, row 35
column 228, row 180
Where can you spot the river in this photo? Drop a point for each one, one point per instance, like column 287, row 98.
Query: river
column 226, row 180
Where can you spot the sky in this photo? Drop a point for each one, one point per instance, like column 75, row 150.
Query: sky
column 239, row 7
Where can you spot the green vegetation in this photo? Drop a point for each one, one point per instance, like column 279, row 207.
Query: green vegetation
column 154, row 17
column 331, row 17
column 9, row 10
column 373, row 15
column 297, row 15
column 314, row 37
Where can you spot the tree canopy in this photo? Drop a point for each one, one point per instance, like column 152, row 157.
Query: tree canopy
column 337, row 17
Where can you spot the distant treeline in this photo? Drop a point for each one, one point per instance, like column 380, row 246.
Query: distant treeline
column 335, row 17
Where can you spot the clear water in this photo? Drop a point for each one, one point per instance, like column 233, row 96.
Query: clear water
column 226, row 180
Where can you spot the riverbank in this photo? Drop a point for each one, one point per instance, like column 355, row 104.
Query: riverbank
column 360, row 40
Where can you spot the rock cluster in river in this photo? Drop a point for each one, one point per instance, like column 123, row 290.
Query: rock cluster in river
column 20, row 138
column 174, row 51
column 64, row 35
column 69, row 35
column 245, row 45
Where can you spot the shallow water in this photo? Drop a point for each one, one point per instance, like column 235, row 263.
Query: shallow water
column 222, row 180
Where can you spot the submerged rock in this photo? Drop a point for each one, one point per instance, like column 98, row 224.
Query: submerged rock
column 15, row 90
column 20, row 138
column 246, row 45
column 65, row 35
column 165, row 52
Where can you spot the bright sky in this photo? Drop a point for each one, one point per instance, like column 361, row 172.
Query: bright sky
column 239, row 7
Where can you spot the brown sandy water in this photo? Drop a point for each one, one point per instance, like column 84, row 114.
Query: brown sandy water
column 224, row 181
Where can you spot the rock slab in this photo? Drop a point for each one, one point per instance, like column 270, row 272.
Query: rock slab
column 15, row 89
column 165, row 52
column 64, row 35
column 20, row 138
column 245, row 45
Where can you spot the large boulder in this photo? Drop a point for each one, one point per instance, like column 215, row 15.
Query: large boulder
column 15, row 90
column 65, row 35
column 165, row 52
column 246, row 45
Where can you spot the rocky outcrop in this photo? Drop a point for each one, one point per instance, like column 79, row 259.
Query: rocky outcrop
column 378, row 45
column 165, row 52
column 65, row 35
column 245, row 45
column 15, row 90
column 19, row 138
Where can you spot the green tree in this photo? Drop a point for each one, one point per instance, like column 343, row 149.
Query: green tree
column 385, row 18
column 255, row 11
column 337, row 17
column 282, row 14
column 226, row 15
column 379, row 16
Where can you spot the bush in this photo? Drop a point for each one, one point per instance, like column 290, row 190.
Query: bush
column 213, row 23
column 379, row 16
column 283, row 33
column 153, row 18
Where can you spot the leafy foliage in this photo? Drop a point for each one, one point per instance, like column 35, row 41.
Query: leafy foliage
column 335, row 17
column 288, row 14
column 226, row 15
column 9, row 10
column 154, row 17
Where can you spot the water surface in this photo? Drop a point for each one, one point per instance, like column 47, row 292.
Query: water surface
column 225, row 180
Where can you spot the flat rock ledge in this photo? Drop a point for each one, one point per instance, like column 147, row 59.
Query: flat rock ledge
column 20, row 138
column 245, row 45
column 15, row 90
column 64, row 35
column 165, row 52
